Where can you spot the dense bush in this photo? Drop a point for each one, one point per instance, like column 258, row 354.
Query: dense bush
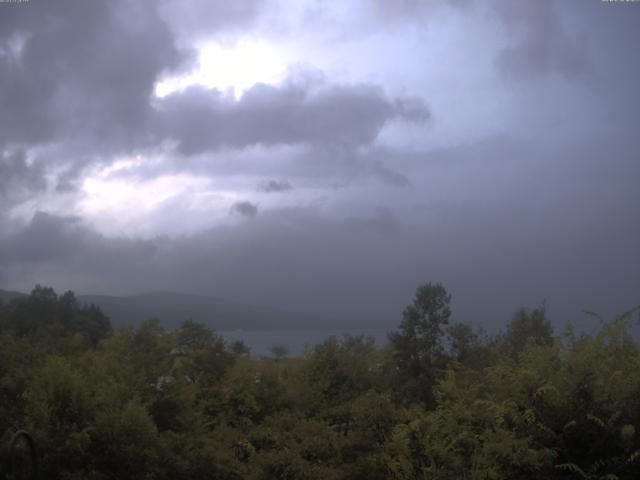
column 439, row 401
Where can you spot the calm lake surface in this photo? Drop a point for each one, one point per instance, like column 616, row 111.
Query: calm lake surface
column 296, row 340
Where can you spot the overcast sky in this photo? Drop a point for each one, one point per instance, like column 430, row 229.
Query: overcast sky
column 325, row 156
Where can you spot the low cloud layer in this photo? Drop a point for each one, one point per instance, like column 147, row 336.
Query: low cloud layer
column 361, row 269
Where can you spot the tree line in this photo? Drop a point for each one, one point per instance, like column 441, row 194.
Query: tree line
column 439, row 401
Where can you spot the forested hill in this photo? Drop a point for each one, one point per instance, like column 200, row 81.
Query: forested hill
column 173, row 308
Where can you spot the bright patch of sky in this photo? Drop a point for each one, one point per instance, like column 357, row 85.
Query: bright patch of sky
column 236, row 66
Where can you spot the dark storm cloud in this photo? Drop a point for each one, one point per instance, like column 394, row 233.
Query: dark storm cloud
column 202, row 119
column 47, row 237
column 275, row 186
column 78, row 77
column 245, row 209
column 63, row 240
column 84, row 72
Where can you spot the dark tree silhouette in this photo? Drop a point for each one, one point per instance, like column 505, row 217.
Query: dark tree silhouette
column 417, row 345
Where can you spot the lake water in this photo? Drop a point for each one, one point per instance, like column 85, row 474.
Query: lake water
column 296, row 340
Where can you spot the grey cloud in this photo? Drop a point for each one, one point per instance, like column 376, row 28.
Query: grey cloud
column 45, row 238
column 18, row 177
column 316, row 166
column 275, row 186
column 348, row 115
column 245, row 209
column 371, row 16
column 539, row 40
column 86, row 71
column 54, row 238
column 412, row 9
column 199, row 19
column 541, row 43
column 77, row 80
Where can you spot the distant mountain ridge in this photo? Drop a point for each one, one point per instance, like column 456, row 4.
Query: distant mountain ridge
column 7, row 295
column 173, row 308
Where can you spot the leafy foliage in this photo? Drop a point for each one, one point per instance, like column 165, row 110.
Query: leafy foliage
column 437, row 402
